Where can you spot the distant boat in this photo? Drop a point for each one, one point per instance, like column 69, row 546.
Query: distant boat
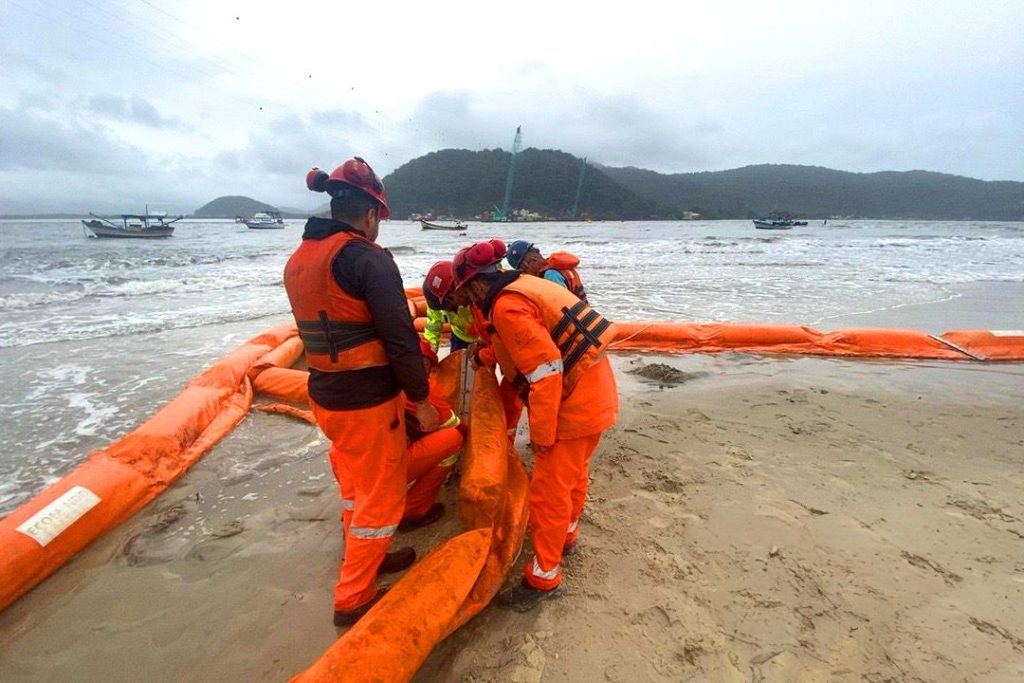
column 148, row 225
column 773, row 224
column 264, row 220
column 459, row 225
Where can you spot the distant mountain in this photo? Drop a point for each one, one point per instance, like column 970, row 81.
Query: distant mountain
column 815, row 192
column 229, row 207
column 463, row 183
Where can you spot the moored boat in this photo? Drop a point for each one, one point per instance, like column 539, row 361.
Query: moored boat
column 148, row 225
column 770, row 224
column 427, row 225
column 264, row 220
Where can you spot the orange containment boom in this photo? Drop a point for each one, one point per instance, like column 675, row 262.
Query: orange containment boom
column 989, row 345
column 115, row 482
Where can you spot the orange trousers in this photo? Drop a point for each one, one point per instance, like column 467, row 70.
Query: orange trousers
column 558, row 490
column 368, row 457
column 429, row 460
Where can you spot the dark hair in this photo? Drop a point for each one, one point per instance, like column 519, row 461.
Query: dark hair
column 352, row 205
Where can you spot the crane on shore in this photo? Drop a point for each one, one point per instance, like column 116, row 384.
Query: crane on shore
column 574, row 211
column 503, row 214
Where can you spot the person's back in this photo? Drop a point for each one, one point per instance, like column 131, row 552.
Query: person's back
column 349, row 305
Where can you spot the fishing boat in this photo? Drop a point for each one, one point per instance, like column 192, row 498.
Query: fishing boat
column 772, row 224
column 427, row 225
column 264, row 220
column 148, row 225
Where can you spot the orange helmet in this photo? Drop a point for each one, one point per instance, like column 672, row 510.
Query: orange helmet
column 479, row 258
column 353, row 173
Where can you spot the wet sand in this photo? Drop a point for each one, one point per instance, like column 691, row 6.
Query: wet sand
column 761, row 519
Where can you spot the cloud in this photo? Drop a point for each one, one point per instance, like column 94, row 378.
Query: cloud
column 33, row 141
column 134, row 109
column 289, row 145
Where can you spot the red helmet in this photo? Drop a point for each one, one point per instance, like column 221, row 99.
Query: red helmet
column 428, row 351
column 479, row 258
column 353, row 173
column 439, row 279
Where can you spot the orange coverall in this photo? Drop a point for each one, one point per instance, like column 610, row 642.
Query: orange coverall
column 565, row 432
column 430, row 456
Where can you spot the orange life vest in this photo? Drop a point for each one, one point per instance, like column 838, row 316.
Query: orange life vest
column 565, row 263
column 335, row 327
column 581, row 334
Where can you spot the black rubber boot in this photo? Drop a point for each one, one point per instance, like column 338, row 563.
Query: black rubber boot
column 435, row 513
column 525, row 597
column 397, row 561
column 349, row 617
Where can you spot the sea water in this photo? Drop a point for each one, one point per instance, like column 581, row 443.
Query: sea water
column 96, row 334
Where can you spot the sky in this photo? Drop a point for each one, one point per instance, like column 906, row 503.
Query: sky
column 108, row 105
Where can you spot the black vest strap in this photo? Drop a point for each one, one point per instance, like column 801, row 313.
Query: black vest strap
column 333, row 336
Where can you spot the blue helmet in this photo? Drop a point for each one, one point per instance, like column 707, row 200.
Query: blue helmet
column 517, row 252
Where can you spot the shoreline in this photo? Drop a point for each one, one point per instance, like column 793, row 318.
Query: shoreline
column 975, row 305
column 887, row 489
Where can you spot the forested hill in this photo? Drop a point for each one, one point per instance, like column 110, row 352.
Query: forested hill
column 465, row 183
column 815, row 192
column 231, row 206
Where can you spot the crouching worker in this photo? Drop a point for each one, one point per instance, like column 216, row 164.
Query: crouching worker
column 445, row 306
column 560, row 267
column 431, row 455
column 553, row 346
column 349, row 305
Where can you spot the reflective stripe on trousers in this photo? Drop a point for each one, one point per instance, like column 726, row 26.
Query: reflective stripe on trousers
column 373, row 532
column 348, row 504
column 541, row 574
column 573, row 525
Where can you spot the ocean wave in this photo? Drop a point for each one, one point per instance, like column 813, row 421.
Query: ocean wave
column 106, row 326
column 118, row 287
column 403, row 249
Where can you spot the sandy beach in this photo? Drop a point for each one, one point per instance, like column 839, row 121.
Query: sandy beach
column 750, row 518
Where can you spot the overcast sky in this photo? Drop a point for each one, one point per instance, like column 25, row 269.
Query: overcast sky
column 105, row 106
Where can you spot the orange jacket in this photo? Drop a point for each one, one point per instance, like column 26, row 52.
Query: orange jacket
column 335, row 327
column 538, row 340
column 565, row 263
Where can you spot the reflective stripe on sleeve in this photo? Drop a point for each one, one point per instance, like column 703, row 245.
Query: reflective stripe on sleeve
column 453, row 421
column 348, row 504
column 449, row 461
column 373, row 532
column 573, row 526
column 541, row 574
column 544, row 370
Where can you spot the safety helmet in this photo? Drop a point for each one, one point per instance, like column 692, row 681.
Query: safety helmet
column 353, row 173
column 428, row 351
column 517, row 252
column 482, row 257
column 439, row 280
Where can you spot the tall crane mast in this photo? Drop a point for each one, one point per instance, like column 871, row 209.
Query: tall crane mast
column 574, row 211
column 517, row 147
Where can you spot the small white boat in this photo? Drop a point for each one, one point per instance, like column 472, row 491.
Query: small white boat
column 762, row 224
column 148, row 225
column 265, row 220
column 459, row 225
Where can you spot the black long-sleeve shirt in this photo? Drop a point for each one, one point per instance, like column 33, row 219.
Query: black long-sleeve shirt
column 371, row 275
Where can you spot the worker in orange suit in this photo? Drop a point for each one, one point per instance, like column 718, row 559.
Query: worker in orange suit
column 553, row 347
column 431, row 455
column 364, row 362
